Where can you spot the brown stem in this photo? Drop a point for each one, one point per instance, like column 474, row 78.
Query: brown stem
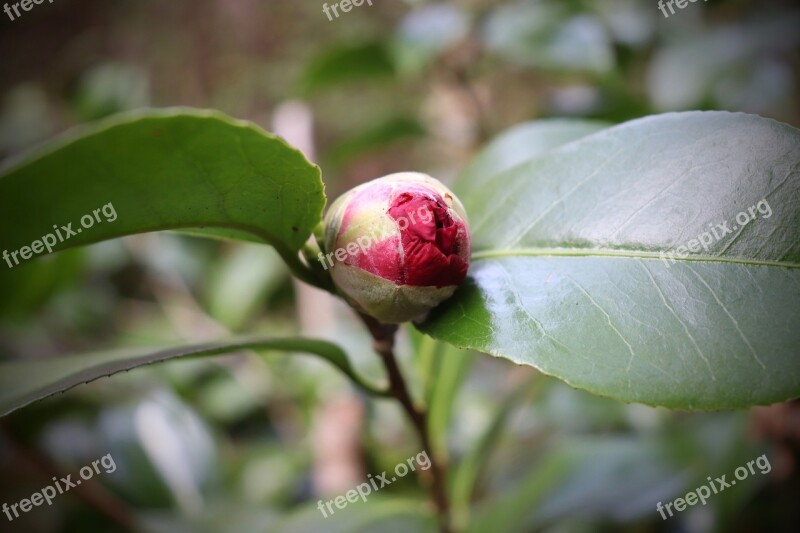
column 90, row 492
column 383, row 336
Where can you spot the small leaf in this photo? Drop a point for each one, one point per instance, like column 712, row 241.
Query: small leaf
column 392, row 130
column 23, row 382
column 346, row 63
column 570, row 273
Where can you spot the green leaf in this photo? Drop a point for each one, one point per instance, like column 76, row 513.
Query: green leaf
column 378, row 513
column 475, row 460
column 508, row 510
column 451, row 367
column 549, row 36
column 442, row 369
column 241, row 283
column 610, row 477
column 23, row 382
column 26, row 290
column 569, row 272
column 161, row 170
column 427, row 32
column 522, row 143
column 390, row 131
column 159, row 475
column 347, row 63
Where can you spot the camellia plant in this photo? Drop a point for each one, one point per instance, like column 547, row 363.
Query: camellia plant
column 589, row 255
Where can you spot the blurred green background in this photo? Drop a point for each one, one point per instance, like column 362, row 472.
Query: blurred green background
column 245, row 443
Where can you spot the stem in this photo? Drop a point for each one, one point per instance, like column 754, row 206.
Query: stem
column 90, row 492
column 303, row 272
column 383, row 336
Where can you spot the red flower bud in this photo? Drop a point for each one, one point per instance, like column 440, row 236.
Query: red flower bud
column 397, row 246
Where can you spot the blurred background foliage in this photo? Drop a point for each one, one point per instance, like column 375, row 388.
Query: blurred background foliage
column 247, row 444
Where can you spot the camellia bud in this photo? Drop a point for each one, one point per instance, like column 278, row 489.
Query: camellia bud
column 397, row 246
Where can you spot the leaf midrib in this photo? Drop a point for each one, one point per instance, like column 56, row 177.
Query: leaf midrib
column 631, row 254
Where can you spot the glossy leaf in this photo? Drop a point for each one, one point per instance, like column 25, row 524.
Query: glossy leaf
column 161, row 170
column 569, row 272
column 23, row 382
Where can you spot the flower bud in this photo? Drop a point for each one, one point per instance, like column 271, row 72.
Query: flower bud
column 397, row 246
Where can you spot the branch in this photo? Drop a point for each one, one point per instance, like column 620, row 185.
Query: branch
column 91, row 492
column 383, row 336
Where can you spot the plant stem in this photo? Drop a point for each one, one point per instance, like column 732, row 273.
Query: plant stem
column 383, row 336
column 90, row 492
column 303, row 272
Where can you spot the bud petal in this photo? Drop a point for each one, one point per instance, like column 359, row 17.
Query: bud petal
column 397, row 246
